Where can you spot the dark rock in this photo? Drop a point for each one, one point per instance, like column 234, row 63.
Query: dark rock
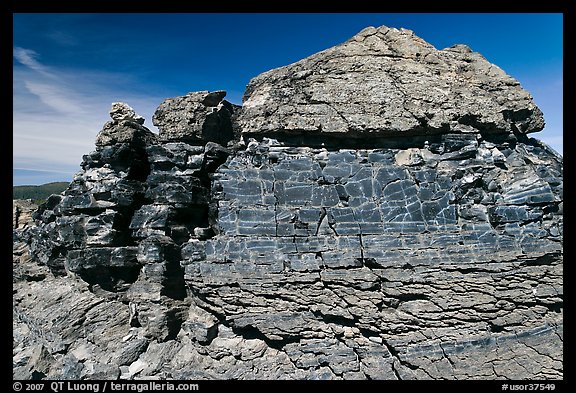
column 214, row 98
column 169, row 188
column 151, row 219
column 130, row 352
column 177, row 155
column 214, row 156
column 193, row 251
column 155, row 249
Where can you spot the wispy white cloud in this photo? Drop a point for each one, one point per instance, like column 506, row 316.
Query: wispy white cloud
column 54, row 96
column 58, row 113
column 28, row 58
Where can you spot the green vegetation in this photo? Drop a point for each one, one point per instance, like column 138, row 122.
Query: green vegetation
column 38, row 193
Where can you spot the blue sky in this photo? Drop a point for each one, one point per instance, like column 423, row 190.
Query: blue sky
column 69, row 68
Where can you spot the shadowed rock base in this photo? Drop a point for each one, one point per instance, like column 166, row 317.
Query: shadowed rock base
column 61, row 330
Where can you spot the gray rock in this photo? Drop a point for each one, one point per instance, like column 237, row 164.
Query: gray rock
column 22, row 212
column 38, row 362
column 124, row 130
column 384, row 82
column 197, row 117
column 121, row 112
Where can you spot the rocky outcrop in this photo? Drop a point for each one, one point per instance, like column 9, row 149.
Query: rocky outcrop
column 388, row 82
column 282, row 241
column 197, row 117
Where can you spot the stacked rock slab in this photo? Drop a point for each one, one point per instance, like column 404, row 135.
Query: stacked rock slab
column 378, row 213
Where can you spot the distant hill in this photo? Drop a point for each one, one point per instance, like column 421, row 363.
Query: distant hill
column 38, row 193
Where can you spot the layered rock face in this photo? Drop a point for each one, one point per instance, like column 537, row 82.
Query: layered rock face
column 375, row 211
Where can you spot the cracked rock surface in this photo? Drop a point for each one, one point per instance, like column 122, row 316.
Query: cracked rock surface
column 240, row 244
column 387, row 81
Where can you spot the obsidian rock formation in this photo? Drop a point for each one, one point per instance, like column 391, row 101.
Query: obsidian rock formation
column 375, row 211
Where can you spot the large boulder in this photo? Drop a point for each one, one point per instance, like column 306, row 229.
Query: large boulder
column 388, row 82
column 197, row 117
